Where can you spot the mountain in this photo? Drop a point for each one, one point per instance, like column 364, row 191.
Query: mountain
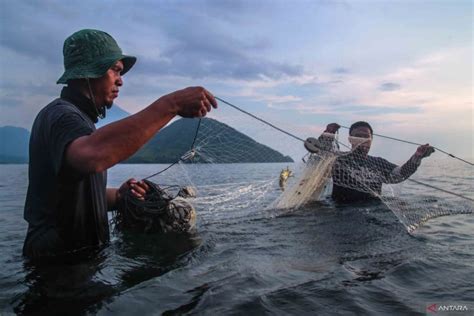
column 215, row 142
column 14, row 144
column 113, row 114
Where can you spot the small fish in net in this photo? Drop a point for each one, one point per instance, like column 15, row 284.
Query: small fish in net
column 158, row 212
column 284, row 175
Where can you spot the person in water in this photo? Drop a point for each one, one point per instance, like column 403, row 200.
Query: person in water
column 67, row 200
column 358, row 176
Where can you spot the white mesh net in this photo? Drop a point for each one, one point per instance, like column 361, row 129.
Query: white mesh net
column 237, row 174
column 416, row 189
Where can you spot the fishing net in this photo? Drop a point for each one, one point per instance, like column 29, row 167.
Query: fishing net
column 237, row 164
column 416, row 189
column 157, row 212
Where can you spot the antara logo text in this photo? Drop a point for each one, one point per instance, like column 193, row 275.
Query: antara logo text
column 434, row 308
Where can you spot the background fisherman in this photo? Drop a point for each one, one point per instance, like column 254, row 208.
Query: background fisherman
column 67, row 200
column 358, row 176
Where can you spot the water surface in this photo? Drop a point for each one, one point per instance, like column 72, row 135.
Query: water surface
column 321, row 259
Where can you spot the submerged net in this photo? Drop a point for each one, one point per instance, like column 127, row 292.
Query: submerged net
column 157, row 212
column 238, row 165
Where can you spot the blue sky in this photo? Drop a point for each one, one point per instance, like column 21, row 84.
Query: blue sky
column 403, row 66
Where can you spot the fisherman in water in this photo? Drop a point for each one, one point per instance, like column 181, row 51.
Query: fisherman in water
column 67, row 201
column 358, row 176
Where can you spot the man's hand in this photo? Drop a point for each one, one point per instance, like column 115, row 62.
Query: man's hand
column 424, row 151
column 191, row 102
column 332, row 128
column 137, row 188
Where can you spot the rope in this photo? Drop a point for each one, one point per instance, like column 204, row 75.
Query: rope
column 445, row 191
column 302, row 140
column 180, row 159
column 139, row 214
column 260, row 119
column 413, row 143
column 393, row 138
column 161, row 171
column 428, row 185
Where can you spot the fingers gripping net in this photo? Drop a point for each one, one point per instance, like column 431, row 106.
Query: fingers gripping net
column 157, row 212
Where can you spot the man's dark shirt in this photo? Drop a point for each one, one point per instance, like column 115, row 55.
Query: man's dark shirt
column 357, row 178
column 65, row 210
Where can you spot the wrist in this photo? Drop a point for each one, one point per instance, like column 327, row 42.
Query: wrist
column 167, row 105
column 416, row 159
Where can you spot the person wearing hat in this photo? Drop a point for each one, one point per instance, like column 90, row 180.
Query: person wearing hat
column 67, row 199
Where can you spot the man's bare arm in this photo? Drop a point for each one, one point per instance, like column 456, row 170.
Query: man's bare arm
column 403, row 172
column 117, row 141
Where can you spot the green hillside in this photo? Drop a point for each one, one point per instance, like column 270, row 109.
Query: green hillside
column 216, row 142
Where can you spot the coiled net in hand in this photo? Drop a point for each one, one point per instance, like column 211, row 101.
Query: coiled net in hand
column 158, row 212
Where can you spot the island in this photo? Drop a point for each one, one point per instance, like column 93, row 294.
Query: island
column 215, row 142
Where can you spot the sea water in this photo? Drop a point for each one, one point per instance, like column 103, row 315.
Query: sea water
column 320, row 259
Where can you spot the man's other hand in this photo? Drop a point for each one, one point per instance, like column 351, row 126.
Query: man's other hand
column 191, row 102
column 424, row 151
column 332, row 128
column 137, row 188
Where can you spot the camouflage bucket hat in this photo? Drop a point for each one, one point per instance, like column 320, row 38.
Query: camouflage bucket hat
column 90, row 53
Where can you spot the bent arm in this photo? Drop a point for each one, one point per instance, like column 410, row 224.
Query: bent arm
column 117, row 141
column 401, row 173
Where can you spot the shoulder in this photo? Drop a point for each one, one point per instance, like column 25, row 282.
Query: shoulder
column 60, row 109
column 381, row 162
column 61, row 117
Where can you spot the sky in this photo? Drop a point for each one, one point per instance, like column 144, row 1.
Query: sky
column 406, row 67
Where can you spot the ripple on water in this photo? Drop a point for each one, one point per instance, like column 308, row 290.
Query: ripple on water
column 321, row 259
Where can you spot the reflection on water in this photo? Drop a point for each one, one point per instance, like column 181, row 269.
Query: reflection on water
column 320, row 259
column 80, row 281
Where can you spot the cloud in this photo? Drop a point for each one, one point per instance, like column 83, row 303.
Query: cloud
column 171, row 54
column 188, row 61
column 165, row 47
column 340, row 71
column 269, row 57
column 30, row 32
column 389, row 86
column 209, row 52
